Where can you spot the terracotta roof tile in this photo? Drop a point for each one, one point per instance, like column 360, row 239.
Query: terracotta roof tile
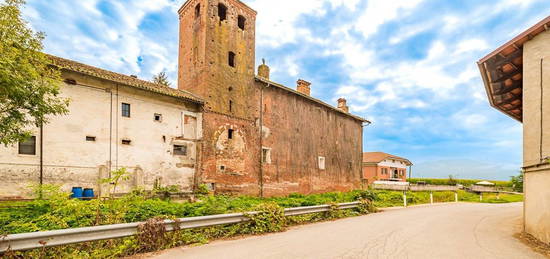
column 122, row 79
column 280, row 86
column 376, row 157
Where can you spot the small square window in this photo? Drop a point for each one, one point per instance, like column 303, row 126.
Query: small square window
column 180, row 150
column 322, row 162
column 231, row 59
column 126, row 142
column 158, row 117
column 126, row 110
column 222, row 12
column 90, row 138
column 266, row 155
column 28, row 147
column 241, row 22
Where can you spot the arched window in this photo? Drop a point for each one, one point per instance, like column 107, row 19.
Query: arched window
column 231, row 59
column 197, row 11
column 241, row 21
column 222, row 12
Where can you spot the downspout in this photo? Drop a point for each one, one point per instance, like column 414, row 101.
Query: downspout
column 541, row 113
column 41, row 156
column 410, row 171
column 111, row 133
column 261, row 176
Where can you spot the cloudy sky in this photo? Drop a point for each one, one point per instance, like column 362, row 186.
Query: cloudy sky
column 406, row 65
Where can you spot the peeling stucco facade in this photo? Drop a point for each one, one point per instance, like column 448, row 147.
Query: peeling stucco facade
column 72, row 159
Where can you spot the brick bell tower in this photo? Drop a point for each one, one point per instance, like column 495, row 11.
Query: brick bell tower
column 217, row 62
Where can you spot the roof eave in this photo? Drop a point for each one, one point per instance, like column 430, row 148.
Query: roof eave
column 267, row 81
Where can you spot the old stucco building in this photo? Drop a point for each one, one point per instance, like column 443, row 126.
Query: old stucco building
column 260, row 137
column 224, row 126
column 516, row 77
column 114, row 121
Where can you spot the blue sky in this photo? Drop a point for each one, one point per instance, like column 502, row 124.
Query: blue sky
column 406, row 65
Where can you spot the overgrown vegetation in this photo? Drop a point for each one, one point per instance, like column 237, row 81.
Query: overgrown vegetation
column 60, row 212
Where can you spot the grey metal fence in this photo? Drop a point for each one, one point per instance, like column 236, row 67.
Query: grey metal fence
column 25, row 241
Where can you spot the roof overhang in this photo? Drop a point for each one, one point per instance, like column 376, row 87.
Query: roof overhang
column 502, row 72
column 290, row 90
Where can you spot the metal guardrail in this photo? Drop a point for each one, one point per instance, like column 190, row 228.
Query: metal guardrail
column 25, row 241
column 416, row 188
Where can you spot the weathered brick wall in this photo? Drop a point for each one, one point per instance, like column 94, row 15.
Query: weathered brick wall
column 230, row 164
column 298, row 131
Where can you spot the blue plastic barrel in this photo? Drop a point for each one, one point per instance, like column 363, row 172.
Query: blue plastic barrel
column 77, row 192
column 88, row 193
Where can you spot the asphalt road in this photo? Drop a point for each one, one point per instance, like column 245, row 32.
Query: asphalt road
column 460, row 230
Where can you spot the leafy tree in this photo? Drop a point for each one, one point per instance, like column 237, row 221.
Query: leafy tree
column 517, row 182
column 29, row 85
column 161, row 79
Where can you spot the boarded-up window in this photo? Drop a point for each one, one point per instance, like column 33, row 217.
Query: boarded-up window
column 190, row 127
column 180, row 150
column 28, row 147
column 266, row 155
column 322, row 162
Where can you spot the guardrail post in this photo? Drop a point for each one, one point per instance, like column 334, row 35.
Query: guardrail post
column 404, row 198
column 456, row 196
column 431, row 198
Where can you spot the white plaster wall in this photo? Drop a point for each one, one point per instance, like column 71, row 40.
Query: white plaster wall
column 70, row 160
column 537, row 174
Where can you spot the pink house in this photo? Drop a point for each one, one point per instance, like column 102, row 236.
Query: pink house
column 384, row 166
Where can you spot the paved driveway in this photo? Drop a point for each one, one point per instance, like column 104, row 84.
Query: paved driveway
column 460, row 230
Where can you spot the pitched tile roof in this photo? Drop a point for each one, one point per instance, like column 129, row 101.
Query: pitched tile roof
column 376, row 157
column 280, row 86
column 74, row 66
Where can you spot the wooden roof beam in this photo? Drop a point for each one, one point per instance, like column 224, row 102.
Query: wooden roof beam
column 507, row 89
column 510, row 100
column 514, row 107
column 509, row 75
column 499, row 61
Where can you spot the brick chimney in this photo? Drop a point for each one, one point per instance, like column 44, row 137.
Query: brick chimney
column 342, row 105
column 263, row 70
column 303, row 86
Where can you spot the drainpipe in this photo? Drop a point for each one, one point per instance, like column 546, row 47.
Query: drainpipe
column 41, row 157
column 410, row 171
column 261, row 176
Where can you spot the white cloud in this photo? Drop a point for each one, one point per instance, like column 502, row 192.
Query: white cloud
column 471, row 45
column 379, row 12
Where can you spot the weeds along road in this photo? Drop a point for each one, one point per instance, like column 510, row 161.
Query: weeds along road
column 460, row 230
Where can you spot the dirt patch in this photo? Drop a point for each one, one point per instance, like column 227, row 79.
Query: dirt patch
column 534, row 243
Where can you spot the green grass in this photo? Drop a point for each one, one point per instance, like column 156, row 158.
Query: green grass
column 465, row 182
column 59, row 212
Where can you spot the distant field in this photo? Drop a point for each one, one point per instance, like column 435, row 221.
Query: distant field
column 465, row 182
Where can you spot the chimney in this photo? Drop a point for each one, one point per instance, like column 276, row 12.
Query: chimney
column 303, row 86
column 342, row 105
column 263, row 70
